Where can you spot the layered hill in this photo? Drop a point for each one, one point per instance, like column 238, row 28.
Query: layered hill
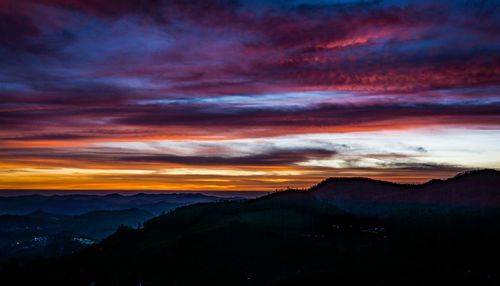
column 41, row 234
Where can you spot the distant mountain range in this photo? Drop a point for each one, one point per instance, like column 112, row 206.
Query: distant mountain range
column 80, row 204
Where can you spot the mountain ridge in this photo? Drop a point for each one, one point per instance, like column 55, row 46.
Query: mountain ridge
column 80, row 204
column 470, row 188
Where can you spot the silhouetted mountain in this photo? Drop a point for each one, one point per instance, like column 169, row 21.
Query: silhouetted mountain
column 80, row 204
column 474, row 188
column 297, row 238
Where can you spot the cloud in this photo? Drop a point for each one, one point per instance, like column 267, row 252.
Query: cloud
column 61, row 136
column 78, row 73
column 349, row 46
column 270, row 158
column 421, row 150
column 188, row 117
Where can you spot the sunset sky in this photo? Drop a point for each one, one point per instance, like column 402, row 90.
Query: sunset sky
column 245, row 95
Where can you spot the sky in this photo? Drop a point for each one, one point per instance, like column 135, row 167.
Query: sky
column 245, row 95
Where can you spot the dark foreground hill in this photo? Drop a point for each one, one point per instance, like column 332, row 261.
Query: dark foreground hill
column 366, row 197
column 289, row 238
column 474, row 188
